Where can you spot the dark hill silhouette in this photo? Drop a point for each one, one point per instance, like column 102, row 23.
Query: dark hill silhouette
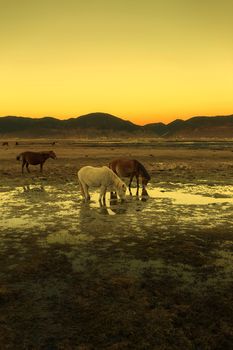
column 17, row 124
column 220, row 126
column 101, row 121
column 195, row 127
column 97, row 124
column 87, row 124
column 159, row 129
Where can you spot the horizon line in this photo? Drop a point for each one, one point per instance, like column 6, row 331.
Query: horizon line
column 122, row 118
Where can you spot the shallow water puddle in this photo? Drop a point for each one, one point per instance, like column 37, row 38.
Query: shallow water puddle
column 184, row 198
column 59, row 208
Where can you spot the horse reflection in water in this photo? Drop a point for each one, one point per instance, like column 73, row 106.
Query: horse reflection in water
column 92, row 209
column 131, row 168
column 102, row 177
column 39, row 188
column 111, row 207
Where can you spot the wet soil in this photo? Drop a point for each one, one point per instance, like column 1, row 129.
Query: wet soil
column 154, row 272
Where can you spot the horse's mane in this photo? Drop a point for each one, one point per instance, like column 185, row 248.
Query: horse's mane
column 143, row 170
column 119, row 182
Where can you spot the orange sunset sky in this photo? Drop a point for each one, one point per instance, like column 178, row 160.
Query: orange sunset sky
column 145, row 61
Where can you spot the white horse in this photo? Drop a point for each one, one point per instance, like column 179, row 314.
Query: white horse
column 102, row 177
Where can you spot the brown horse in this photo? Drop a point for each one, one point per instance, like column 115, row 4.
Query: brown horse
column 35, row 158
column 124, row 167
column 5, row 143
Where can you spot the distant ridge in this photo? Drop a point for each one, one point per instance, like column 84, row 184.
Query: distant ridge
column 104, row 124
column 102, row 121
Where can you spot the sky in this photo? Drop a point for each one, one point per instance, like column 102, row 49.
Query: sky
column 144, row 61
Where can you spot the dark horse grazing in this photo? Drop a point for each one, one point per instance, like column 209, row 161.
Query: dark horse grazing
column 35, row 158
column 124, row 167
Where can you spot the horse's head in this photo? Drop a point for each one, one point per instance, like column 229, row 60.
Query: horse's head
column 121, row 190
column 52, row 155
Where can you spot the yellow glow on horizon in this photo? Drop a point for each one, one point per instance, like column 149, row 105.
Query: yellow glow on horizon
column 145, row 61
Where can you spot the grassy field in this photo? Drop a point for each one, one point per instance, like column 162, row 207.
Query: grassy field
column 145, row 274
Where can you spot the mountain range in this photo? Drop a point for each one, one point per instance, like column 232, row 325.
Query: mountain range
column 103, row 124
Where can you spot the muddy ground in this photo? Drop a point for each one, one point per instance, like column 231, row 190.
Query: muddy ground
column 150, row 273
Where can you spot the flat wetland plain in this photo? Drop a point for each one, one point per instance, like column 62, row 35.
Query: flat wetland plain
column 149, row 273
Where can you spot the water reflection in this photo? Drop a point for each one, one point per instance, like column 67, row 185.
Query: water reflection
column 50, row 207
column 113, row 205
column 33, row 188
column 108, row 208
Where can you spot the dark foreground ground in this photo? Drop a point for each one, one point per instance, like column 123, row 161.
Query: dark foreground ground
column 150, row 273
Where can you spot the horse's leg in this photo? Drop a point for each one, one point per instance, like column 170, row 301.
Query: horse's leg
column 23, row 165
column 88, row 195
column 130, row 181
column 82, row 190
column 102, row 194
column 27, row 165
column 41, row 167
column 85, row 190
column 137, row 177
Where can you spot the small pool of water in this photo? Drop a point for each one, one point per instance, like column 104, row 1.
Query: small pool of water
column 36, row 207
column 180, row 197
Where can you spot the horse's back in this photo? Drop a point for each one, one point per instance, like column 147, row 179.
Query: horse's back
column 123, row 166
column 33, row 158
column 94, row 176
column 30, row 156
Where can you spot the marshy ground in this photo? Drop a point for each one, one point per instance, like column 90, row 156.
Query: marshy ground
column 149, row 273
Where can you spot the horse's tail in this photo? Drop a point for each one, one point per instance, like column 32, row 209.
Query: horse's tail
column 19, row 156
column 143, row 170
